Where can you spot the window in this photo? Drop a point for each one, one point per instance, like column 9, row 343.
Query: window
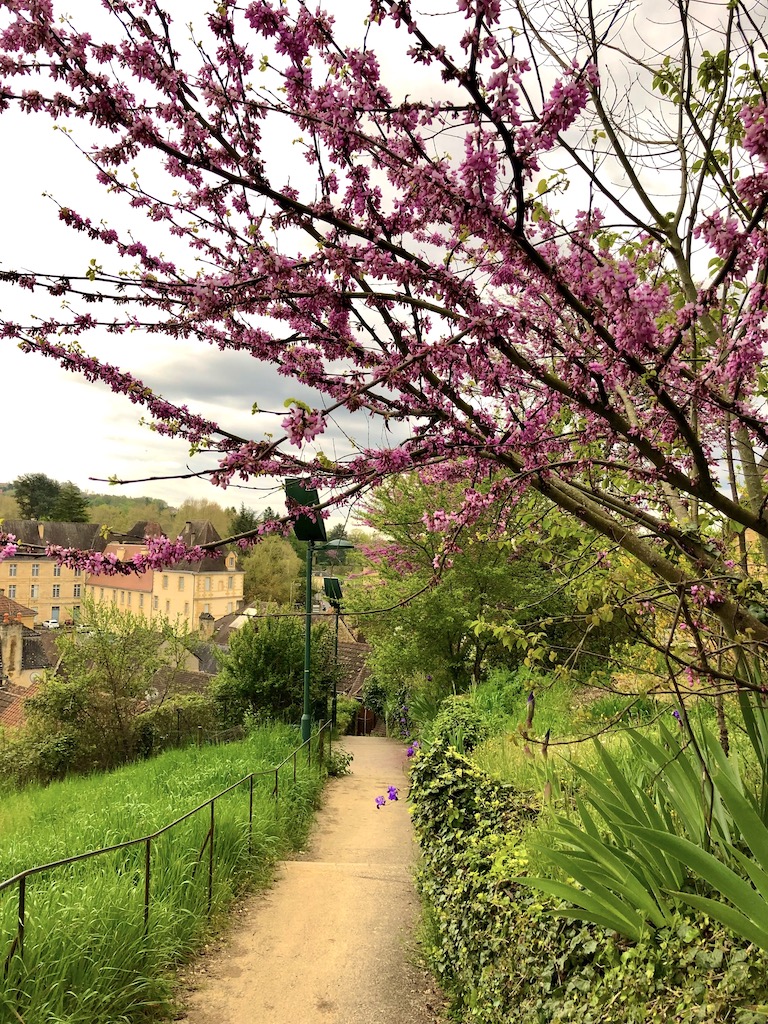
column 229, row 607
column 181, row 582
column 114, row 597
column 230, row 583
column 186, row 607
column 156, row 602
column 56, row 590
column 12, row 591
column 12, row 567
column 101, row 593
column 165, row 582
column 78, row 572
column 141, row 600
column 75, row 610
column 207, row 582
column 35, row 568
column 167, row 607
column 231, row 562
column 57, row 570
column 122, row 597
column 76, row 590
column 34, row 590
column 129, row 598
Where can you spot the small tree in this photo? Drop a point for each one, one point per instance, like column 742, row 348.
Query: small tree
column 264, row 669
column 110, row 671
column 244, row 521
column 272, row 572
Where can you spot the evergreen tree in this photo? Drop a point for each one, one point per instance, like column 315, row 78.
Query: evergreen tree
column 71, row 506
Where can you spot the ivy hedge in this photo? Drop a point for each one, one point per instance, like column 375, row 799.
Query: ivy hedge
column 503, row 959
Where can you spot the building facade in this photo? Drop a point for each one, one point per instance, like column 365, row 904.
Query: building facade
column 52, row 592
column 210, row 586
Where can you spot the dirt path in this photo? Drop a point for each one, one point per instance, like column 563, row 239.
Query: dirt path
column 332, row 942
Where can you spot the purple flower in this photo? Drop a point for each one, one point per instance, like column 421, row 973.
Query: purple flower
column 676, row 714
column 392, row 792
column 412, row 749
column 380, row 801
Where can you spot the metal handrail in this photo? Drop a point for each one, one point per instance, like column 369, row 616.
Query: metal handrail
column 20, row 879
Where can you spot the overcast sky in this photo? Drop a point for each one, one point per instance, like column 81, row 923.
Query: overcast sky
column 59, row 424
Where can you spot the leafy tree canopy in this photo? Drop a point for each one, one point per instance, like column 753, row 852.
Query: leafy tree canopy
column 110, row 667
column 263, row 670
column 488, row 602
column 36, row 495
column 273, row 572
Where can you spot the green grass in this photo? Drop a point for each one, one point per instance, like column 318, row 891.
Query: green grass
column 87, row 958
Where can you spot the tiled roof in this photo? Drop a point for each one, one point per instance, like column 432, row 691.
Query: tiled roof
column 354, row 670
column 202, row 532
column 39, row 651
column 84, row 536
column 12, row 609
column 12, row 700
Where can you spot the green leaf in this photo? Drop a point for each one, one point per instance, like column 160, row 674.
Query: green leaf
column 738, row 923
column 613, row 913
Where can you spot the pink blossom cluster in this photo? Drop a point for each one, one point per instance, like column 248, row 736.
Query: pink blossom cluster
column 8, row 546
column 302, row 425
column 705, row 597
column 755, row 120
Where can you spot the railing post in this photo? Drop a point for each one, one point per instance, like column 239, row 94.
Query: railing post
column 210, row 856
column 277, row 784
column 294, row 766
column 147, row 859
column 250, row 820
column 22, row 913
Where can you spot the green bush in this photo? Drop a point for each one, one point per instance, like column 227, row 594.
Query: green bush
column 175, row 723
column 263, row 672
column 461, row 722
column 346, row 714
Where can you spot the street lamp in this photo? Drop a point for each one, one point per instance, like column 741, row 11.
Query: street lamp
column 311, row 531
column 332, row 589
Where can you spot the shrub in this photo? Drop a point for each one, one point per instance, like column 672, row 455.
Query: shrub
column 462, row 723
column 346, row 714
column 175, row 723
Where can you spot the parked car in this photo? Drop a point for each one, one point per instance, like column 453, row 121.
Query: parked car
column 51, row 623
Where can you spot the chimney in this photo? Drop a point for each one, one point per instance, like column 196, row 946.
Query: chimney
column 11, row 645
column 206, row 625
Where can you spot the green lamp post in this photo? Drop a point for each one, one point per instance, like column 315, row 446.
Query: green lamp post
column 312, row 531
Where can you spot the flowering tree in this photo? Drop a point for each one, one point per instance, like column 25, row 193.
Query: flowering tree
column 525, row 240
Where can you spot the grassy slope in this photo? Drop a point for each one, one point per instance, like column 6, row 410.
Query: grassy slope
column 87, row 959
